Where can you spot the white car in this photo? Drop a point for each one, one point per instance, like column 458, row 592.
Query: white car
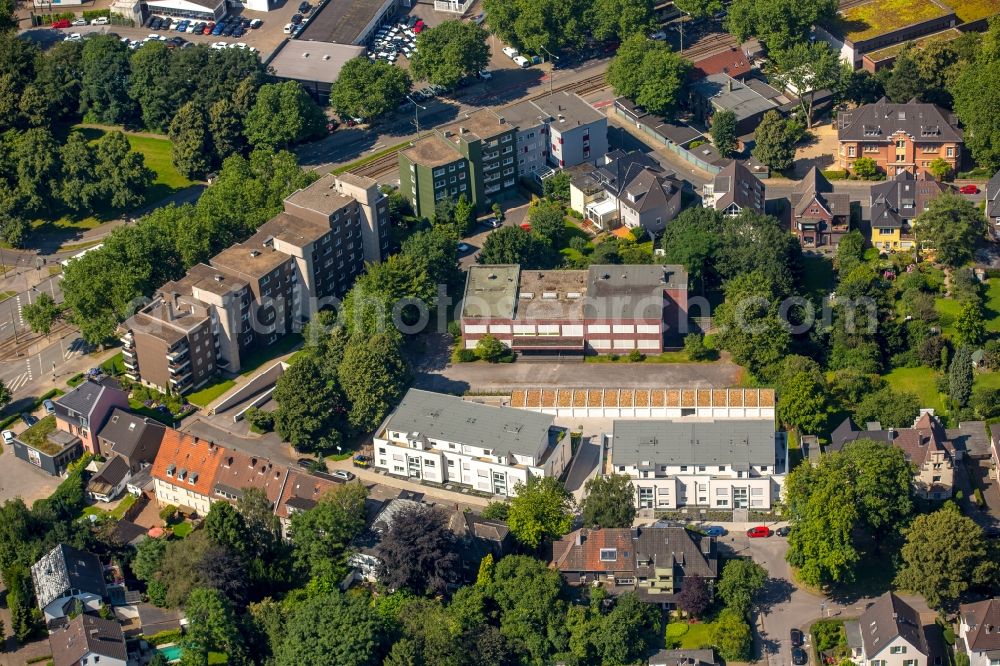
column 153, row 37
column 219, row 45
column 100, row 20
column 521, row 61
column 287, row 29
column 8, row 437
column 659, row 36
column 485, row 75
column 510, row 52
column 74, row 37
column 79, row 21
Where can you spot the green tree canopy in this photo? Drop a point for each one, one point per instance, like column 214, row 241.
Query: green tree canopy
column 534, row 26
column 723, row 132
column 541, row 510
column 609, row 501
column 333, row 629
column 509, row 245
column 104, row 80
column 890, row 407
column 450, row 51
column 808, row 67
column 620, row 19
column 321, row 535
column 952, row 226
column 41, row 314
column 691, row 240
column 283, row 114
column 732, row 636
column 775, row 139
column 740, row 584
column 374, row 376
column 649, row 73
column 311, row 410
column 368, row 89
column 778, row 24
column 189, row 139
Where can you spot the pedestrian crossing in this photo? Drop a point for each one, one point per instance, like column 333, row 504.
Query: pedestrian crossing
column 18, row 382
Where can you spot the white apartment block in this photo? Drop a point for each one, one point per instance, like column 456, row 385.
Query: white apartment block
column 559, row 128
column 701, row 463
column 444, row 439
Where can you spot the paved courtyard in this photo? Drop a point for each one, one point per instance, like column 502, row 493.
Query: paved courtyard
column 21, row 479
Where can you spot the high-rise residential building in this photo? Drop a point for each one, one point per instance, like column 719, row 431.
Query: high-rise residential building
column 254, row 292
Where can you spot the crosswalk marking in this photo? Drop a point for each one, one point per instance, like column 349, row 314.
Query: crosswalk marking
column 18, row 382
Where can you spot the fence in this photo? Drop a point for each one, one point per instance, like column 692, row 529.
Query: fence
column 679, row 150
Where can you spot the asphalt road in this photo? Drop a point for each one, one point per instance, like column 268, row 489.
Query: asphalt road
column 11, row 316
column 18, row 373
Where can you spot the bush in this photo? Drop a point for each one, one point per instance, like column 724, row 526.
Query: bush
column 168, row 513
column 465, row 355
column 613, row 357
column 977, row 495
column 694, row 347
column 259, row 420
column 91, row 14
column 491, row 350
column 694, row 144
column 836, row 174
column 636, row 356
column 455, row 329
column 866, row 168
column 164, row 637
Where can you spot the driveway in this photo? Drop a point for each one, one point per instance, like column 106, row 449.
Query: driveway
column 22, row 479
column 501, row 377
column 223, row 430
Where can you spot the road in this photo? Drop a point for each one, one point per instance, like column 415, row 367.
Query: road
column 19, row 373
column 11, row 316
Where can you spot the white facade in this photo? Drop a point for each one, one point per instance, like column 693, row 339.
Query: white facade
column 897, row 652
column 54, row 609
column 178, row 495
column 531, row 149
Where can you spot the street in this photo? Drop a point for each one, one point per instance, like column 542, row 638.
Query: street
column 18, row 373
column 11, row 319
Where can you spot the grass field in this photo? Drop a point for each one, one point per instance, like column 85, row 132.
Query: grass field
column 204, row 396
column 948, row 310
column 181, row 530
column 987, row 380
column 919, row 381
column 689, row 636
column 878, row 17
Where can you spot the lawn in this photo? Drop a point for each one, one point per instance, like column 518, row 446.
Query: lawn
column 204, row 396
column 114, row 366
column 920, row 381
column 37, row 436
column 689, row 636
column 181, row 530
column 948, row 310
column 878, row 17
column 987, row 380
column 263, row 355
column 4, row 295
column 114, row 514
column 817, row 278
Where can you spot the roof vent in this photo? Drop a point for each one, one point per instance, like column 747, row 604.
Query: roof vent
column 306, row 54
column 254, row 253
column 492, row 276
column 326, row 57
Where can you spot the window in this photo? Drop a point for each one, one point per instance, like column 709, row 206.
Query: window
column 722, row 468
column 722, row 492
column 609, row 554
column 701, row 468
column 684, row 468
column 851, row 151
column 951, row 151
column 897, row 649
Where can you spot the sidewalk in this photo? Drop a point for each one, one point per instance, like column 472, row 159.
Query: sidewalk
column 370, row 476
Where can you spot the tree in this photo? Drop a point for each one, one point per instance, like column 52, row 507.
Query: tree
column 213, row 625
column 960, row 377
column 700, row 8
column 548, row 222
column 609, row 502
column 903, row 82
column 41, row 314
column 740, row 584
column 940, row 168
column 975, row 91
column 189, row 137
column 450, row 51
column 148, row 85
column 17, row 580
column 723, row 132
column 808, row 67
column 512, row 245
column 104, row 80
column 749, row 325
column 122, row 173
column 691, row 240
column 225, row 526
column 778, row 24
column 865, row 168
column 695, row 596
column 626, row 634
column 5, row 394
column 556, row 187
column 541, row 510
column 490, row 349
column 890, row 407
column 537, row 26
column 79, row 190
column 311, row 413
column 620, row 19
column 225, row 126
column 436, row 253
column 374, row 376
column 952, row 226
column 803, row 405
column 695, row 348
column 649, row 73
column 283, row 114
column 34, row 154
column 333, row 630
column 731, row 635
column 970, row 324
column 882, row 480
column 945, row 555
column 368, row 89
column 775, row 139
column 320, row 536
column 419, row 552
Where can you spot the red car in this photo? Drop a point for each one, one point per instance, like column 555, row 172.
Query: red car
column 759, row 532
column 61, row 23
column 969, row 189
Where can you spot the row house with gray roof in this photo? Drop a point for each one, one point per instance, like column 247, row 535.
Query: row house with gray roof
column 716, row 464
column 979, row 631
column 445, row 439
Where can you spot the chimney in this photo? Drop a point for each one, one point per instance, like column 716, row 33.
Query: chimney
column 729, row 84
column 502, row 120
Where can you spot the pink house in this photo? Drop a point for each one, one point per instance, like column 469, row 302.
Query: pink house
column 84, row 410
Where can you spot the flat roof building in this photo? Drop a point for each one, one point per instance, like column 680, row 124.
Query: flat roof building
column 350, row 22
column 316, row 65
column 721, row 92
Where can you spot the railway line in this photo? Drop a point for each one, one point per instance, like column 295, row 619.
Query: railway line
column 13, row 348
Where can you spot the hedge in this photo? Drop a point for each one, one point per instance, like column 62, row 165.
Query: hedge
column 91, row 14
column 38, row 403
column 168, row 636
column 836, row 174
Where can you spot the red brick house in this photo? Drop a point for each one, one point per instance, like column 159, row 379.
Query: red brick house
column 820, row 216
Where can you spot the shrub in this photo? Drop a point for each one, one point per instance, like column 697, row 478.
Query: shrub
column 977, row 495
column 164, row 637
column 694, row 347
column 466, row 355
column 865, row 168
column 259, row 420
column 168, row 513
column 455, row 329
column 613, row 357
column 694, row 144
column 490, row 349
column 635, row 356
column 836, row 174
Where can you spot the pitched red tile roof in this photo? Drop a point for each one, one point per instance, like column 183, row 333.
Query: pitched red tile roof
column 197, row 459
column 301, row 492
column 239, row 471
column 732, row 62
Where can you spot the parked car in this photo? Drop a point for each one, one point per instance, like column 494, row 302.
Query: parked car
column 28, row 419
column 521, row 61
column 209, row 27
column 304, row 7
column 61, row 23
column 713, row 531
column 74, row 37
column 969, row 189
column 79, row 21
column 799, row 657
column 759, row 532
column 493, row 223
column 50, row 407
column 659, row 36
column 343, row 475
column 362, row 461
column 463, row 247
column 796, row 637
column 783, row 531
column 511, row 52
column 306, row 463
column 296, row 19
column 100, row 20
column 287, row 29
column 485, row 75
column 256, row 23
column 8, row 437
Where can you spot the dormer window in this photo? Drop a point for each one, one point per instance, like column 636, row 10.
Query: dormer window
column 609, row 554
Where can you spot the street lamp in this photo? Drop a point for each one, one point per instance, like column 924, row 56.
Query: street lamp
column 552, row 74
column 416, row 115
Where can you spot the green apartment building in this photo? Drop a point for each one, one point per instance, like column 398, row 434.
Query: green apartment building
column 474, row 156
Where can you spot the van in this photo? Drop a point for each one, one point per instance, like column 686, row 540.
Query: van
column 287, row 29
column 521, row 61
column 510, row 52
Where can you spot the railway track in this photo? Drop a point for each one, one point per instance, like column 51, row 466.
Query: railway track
column 379, row 166
column 11, row 349
column 710, row 45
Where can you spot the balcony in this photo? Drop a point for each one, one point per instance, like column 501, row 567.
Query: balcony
column 179, row 367
column 128, row 340
column 175, row 354
column 177, row 382
column 128, row 352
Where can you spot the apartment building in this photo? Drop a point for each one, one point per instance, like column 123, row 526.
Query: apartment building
column 899, row 137
column 473, row 156
column 926, row 446
column 979, row 631
column 605, row 309
column 184, row 471
column 820, row 216
column 895, row 205
column 444, row 439
column 734, row 190
column 301, row 492
column 653, row 562
column 252, row 293
column 559, row 129
column 697, row 462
